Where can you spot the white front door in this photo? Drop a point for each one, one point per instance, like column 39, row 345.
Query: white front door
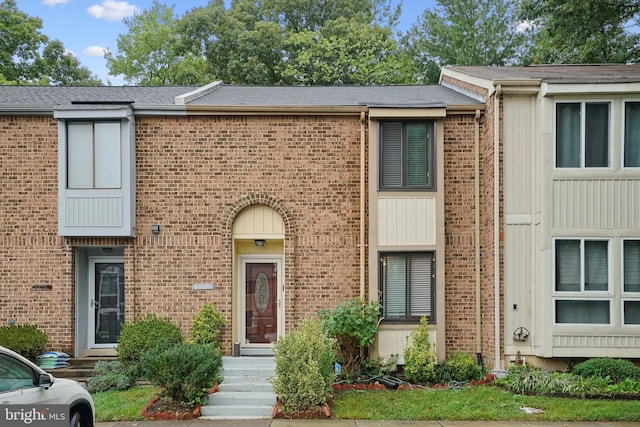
column 106, row 299
column 260, row 290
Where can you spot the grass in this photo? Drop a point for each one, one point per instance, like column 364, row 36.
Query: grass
column 124, row 405
column 486, row 403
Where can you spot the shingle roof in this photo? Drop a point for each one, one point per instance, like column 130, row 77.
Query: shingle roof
column 56, row 97
column 578, row 73
column 416, row 95
column 46, row 97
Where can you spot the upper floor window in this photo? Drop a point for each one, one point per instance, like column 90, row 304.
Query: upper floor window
column 94, row 155
column 406, row 155
column 408, row 286
column 582, row 134
column 632, row 134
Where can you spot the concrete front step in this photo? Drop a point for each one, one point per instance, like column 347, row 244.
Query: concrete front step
column 245, row 392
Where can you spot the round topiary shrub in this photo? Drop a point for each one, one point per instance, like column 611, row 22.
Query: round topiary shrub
column 142, row 335
column 26, row 340
column 185, row 372
column 206, row 326
column 616, row 369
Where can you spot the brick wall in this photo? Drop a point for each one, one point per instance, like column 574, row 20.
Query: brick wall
column 192, row 173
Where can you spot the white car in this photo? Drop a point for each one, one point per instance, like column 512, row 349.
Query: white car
column 24, row 383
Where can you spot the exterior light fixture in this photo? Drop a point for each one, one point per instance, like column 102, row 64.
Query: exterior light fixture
column 155, row 229
column 259, row 242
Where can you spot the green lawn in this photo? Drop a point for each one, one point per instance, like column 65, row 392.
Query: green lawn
column 125, row 405
column 476, row 403
column 468, row 403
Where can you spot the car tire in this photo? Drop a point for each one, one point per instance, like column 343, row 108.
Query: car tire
column 76, row 419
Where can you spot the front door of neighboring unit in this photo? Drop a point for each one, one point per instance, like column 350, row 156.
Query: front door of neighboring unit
column 261, row 284
column 106, row 296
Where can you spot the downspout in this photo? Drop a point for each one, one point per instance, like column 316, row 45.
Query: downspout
column 477, row 234
column 363, row 194
column 496, row 222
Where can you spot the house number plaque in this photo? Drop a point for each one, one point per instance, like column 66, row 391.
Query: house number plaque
column 262, row 292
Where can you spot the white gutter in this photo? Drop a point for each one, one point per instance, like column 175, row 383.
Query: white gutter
column 496, row 223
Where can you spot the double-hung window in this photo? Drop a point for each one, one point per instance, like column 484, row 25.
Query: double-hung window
column 406, row 155
column 631, row 282
column 407, row 286
column 583, row 134
column 94, row 155
column 632, row 134
column 582, row 281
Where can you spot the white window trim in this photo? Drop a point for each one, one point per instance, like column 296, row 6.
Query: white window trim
column 582, row 102
column 582, row 295
column 596, row 294
column 583, row 325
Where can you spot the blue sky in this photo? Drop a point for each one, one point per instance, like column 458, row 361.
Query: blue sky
column 88, row 27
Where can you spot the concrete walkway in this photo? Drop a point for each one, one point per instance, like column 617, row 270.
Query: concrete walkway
column 360, row 423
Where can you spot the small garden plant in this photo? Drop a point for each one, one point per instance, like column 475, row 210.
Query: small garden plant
column 108, row 375
column 419, row 358
column 183, row 371
column 206, row 326
column 304, row 367
column 354, row 325
column 589, row 384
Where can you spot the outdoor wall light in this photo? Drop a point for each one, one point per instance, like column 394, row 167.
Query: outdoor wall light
column 155, row 229
column 259, row 242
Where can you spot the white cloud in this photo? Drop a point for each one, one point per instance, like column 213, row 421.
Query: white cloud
column 524, row 26
column 95, row 51
column 54, row 2
column 112, row 10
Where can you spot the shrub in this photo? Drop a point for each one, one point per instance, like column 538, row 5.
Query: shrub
column 354, row 325
column 419, row 358
column 206, row 326
column 459, row 367
column 304, row 367
column 142, row 335
column 526, row 380
column 108, row 375
column 185, row 371
column 616, row 369
column 26, row 340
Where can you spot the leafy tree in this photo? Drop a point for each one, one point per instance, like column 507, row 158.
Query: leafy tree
column 266, row 42
column 151, row 53
column 466, row 32
column 59, row 68
column 27, row 56
column 583, row 31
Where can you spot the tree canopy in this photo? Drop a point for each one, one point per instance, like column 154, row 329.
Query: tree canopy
column 328, row 42
column 583, row 31
column 27, row 56
column 467, row 32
